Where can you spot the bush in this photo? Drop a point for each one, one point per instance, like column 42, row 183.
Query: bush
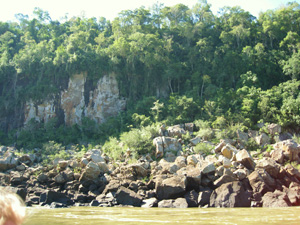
column 203, row 148
column 113, row 148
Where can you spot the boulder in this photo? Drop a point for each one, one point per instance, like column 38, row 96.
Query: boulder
column 166, row 144
column 208, row 168
column 229, row 151
column 277, row 155
column 91, row 172
column 224, row 179
column 8, row 162
column 191, row 198
column 219, row 147
column 52, row 196
column 270, row 166
column 192, row 160
column 170, row 188
column 171, row 203
column 240, row 174
column 42, row 178
column 261, row 181
column 245, row 158
column 276, row 199
column 61, row 178
column 290, row 148
column 125, row 196
column 176, row 131
column 204, row 197
column 180, row 161
column 149, row 203
column 231, row 194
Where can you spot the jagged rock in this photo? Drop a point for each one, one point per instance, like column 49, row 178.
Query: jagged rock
column 290, row 148
column 125, row 196
column 270, row 166
column 172, row 187
column 261, row 181
column 274, row 129
column 231, row 194
column 276, row 199
column 245, row 158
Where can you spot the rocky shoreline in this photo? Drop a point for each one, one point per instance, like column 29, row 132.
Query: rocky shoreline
column 175, row 178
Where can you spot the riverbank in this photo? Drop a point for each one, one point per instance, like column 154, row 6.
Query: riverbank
column 224, row 175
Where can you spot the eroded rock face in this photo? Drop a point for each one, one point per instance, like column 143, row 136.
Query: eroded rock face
column 102, row 102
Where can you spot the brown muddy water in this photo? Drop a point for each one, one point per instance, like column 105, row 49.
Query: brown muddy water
column 129, row 216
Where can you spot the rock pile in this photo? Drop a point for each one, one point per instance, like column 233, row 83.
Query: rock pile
column 229, row 177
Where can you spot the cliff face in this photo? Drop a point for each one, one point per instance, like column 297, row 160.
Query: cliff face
column 79, row 100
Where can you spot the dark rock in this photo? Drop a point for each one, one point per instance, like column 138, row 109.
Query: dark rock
column 231, row 194
column 224, row 179
column 204, row 197
column 261, row 181
column 172, row 187
column 125, row 196
column 192, row 198
column 52, row 196
column 270, row 166
column 276, row 199
column 94, row 203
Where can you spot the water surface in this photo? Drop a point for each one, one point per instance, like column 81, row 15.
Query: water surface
column 128, row 216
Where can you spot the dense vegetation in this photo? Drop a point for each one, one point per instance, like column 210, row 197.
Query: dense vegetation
column 173, row 64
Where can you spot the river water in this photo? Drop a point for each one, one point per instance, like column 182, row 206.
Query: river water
column 129, row 216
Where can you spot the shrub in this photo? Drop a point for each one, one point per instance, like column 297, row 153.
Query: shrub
column 203, row 148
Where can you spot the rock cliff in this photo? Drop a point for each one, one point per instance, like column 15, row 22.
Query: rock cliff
column 79, row 100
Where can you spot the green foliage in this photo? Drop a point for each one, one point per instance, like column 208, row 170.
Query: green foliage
column 114, row 149
column 203, row 148
column 224, row 69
